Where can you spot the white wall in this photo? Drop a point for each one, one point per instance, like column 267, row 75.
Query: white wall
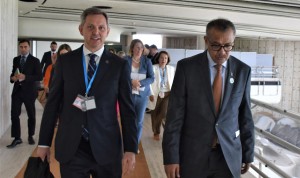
column 8, row 50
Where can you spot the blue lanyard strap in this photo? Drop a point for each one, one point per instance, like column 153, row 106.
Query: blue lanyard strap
column 162, row 76
column 88, row 85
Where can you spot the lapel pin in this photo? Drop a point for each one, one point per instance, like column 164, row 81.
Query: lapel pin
column 231, row 80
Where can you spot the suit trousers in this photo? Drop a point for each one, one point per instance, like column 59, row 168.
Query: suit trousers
column 17, row 99
column 217, row 164
column 158, row 115
column 84, row 165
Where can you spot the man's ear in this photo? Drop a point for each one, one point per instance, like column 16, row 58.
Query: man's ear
column 80, row 27
column 206, row 40
column 108, row 30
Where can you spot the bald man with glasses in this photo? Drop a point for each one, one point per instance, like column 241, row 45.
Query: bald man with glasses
column 209, row 131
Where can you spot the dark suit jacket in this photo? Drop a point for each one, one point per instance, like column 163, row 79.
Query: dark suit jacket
column 46, row 61
column 191, row 118
column 112, row 83
column 33, row 73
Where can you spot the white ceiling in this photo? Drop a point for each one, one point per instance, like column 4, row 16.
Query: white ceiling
column 271, row 19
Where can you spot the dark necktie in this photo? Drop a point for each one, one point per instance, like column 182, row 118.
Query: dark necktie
column 217, row 87
column 92, row 66
column 22, row 63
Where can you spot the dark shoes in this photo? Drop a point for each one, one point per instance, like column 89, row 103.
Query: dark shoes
column 31, row 141
column 14, row 143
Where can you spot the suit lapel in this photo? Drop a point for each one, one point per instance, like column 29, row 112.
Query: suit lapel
column 228, row 84
column 76, row 65
column 206, row 82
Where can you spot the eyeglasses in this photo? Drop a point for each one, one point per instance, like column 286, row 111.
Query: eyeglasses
column 226, row 47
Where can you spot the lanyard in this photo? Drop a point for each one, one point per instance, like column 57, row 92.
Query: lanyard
column 88, row 85
column 162, row 76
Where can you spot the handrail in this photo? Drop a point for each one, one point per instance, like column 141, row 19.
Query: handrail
column 277, row 109
column 272, row 166
column 274, row 138
column 265, row 71
column 278, row 140
column 263, row 175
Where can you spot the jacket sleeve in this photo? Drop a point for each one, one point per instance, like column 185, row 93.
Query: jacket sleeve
column 149, row 75
column 128, row 117
column 175, row 117
column 246, row 124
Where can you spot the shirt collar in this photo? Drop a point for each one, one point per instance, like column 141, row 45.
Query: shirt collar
column 98, row 53
column 26, row 55
column 212, row 63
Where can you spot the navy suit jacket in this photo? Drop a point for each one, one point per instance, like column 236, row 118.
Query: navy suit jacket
column 46, row 61
column 33, row 74
column 192, row 120
column 112, row 83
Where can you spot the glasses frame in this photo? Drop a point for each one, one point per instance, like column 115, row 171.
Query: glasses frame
column 218, row 47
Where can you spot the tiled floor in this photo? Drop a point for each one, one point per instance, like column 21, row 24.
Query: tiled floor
column 12, row 160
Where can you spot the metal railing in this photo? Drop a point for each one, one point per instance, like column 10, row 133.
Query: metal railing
column 265, row 72
column 274, row 139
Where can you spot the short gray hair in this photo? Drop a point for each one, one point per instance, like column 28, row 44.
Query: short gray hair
column 92, row 11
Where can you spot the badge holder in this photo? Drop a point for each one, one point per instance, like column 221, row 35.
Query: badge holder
column 85, row 103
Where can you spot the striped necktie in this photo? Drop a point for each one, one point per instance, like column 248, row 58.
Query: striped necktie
column 92, row 66
column 22, row 63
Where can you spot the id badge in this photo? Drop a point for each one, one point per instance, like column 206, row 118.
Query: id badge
column 161, row 94
column 84, row 103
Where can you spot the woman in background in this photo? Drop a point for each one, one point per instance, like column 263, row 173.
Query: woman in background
column 160, row 91
column 141, row 77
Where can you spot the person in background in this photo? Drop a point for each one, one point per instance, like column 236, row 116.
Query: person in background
column 26, row 72
column 153, row 54
column 47, row 57
column 146, row 50
column 209, row 129
column 86, row 85
column 141, row 77
column 121, row 54
column 64, row 48
column 160, row 91
column 112, row 50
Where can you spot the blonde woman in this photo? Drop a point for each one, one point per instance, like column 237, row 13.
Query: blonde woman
column 141, row 77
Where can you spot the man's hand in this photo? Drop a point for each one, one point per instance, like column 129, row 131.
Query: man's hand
column 21, row 77
column 14, row 78
column 42, row 152
column 128, row 163
column 245, row 167
column 172, row 170
column 46, row 89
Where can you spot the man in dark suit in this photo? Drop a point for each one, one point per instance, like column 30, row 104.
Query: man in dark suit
column 86, row 86
column 47, row 57
column 153, row 52
column 209, row 131
column 25, row 73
